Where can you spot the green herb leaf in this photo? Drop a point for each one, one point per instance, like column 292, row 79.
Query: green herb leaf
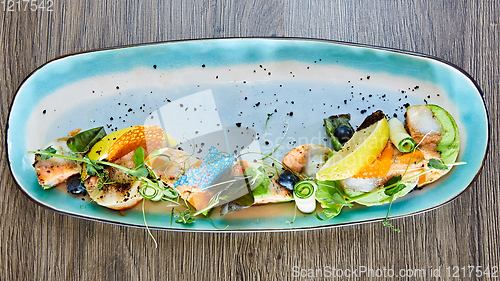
column 436, row 164
column 185, row 217
column 170, row 193
column 334, row 121
column 83, row 141
column 395, row 189
column 139, row 172
column 393, row 180
column 388, row 224
column 259, row 182
column 92, row 168
column 330, row 195
column 49, row 149
column 397, row 186
column 139, row 156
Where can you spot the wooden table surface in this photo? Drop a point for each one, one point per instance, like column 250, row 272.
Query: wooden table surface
column 38, row 244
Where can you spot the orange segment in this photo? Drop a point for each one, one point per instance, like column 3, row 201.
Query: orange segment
column 150, row 138
column 380, row 167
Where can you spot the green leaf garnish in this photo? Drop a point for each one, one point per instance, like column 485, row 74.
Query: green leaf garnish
column 334, row 121
column 436, row 164
column 388, row 224
column 393, row 180
column 170, row 193
column 93, row 169
column 139, row 156
column 49, row 149
column 185, row 217
column 83, row 141
column 329, row 194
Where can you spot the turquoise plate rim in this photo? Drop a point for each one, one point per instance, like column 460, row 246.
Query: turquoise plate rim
column 394, row 50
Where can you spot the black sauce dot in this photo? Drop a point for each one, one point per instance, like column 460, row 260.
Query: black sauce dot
column 291, row 113
column 111, row 118
column 44, row 111
column 363, row 111
column 130, row 110
column 238, row 125
column 117, row 87
column 257, row 104
column 202, row 65
column 267, row 142
column 154, row 66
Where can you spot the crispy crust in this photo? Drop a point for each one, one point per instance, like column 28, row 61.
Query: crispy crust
column 150, row 138
column 371, row 119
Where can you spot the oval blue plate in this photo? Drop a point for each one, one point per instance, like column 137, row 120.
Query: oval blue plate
column 301, row 81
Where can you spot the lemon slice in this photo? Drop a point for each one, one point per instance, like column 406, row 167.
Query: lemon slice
column 121, row 142
column 361, row 150
column 100, row 150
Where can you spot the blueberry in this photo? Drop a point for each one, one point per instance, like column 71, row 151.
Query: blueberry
column 343, row 133
column 75, row 185
column 287, row 180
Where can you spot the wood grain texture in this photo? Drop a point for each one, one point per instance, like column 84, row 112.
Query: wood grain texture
column 37, row 244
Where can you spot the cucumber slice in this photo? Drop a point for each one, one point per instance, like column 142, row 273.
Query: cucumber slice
column 450, row 140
